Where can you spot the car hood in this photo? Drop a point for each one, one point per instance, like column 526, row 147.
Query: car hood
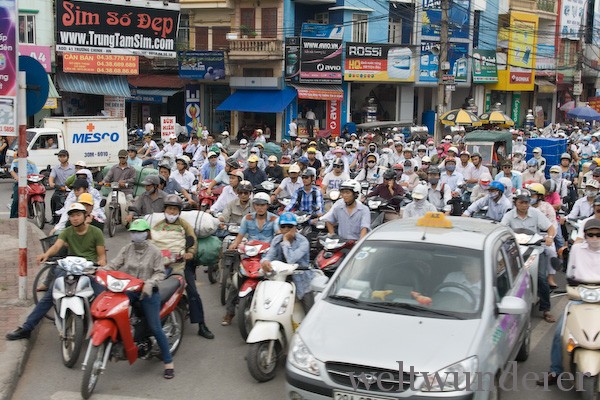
column 335, row 333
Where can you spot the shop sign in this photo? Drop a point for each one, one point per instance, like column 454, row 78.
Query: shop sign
column 192, row 107
column 39, row 53
column 106, row 64
column 333, row 109
column 458, row 18
column 8, row 68
column 457, row 57
column 571, row 12
column 321, row 61
column 114, row 106
column 521, row 57
column 117, row 27
column 515, row 109
column 379, row 62
column 322, row 31
column 484, row 66
column 167, row 127
column 203, row 65
column 319, row 93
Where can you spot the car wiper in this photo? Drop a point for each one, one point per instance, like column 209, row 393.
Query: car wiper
column 344, row 298
column 412, row 307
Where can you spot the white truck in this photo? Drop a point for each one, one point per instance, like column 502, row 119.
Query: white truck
column 95, row 140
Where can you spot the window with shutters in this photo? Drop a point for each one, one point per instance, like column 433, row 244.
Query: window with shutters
column 219, row 39
column 201, row 36
column 359, row 27
column 27, row 29
column 268, row 26
column 247, row 20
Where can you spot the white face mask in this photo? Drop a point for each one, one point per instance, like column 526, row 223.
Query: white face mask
column 593, row 243
column 591, row 192
column 555, row 176
column 171, row 218
column 137, row 237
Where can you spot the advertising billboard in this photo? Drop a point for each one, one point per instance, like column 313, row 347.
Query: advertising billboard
column 522, row 42
column 379, row 62
column 458, row 18
column 321, row 61
column 485, row 69
column 8, row 68
column 457, row 56
column 209, row 65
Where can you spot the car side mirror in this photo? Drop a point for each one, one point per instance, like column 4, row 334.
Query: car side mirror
column 102, row 203
column 318, row 283
column 512, row 305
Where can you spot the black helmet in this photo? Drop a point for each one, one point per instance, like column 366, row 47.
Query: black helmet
column 522, row 194
column 165, row 165
column 233, row 163
column 163, row 181
column 433, row 171
column 389, row 174
column 81, row 183
column 173, row 200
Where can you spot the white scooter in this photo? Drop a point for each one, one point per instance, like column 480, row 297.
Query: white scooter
column 531, row 246
column 275, row 314
column 72, row 294
column 580, row 346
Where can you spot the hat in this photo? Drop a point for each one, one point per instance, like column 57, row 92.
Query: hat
column 453, row 149
column 593, row 223
column 86, row 198
column 372, row 155
column 172, row 136
column 243, row 141
column 353, row 134
column 465, row 153
column 339, row 151
column 408, row 149
column 272, row 158
column 312, row 143
column 399, row 166
column 151, row 180
column 122, row 153
column 80, row 164
column 254, row 150
column 237, row 172
column 225, row 133
column 537, row 150
column 76, row 207
column 259, row 144
column 596, row 171
column 420, row 192
column 294, row 168
column 448, row 137
column 422, row 147
column 426, row 159
column 555, row 168
column 211, row 154
column 63, row 153
column 593, row 183
column 131, row 148
column 309, row 172
column 398, row 143
column 259, row 131
column 523, row 195
column 253, row 158
column 311, row 150
column 285, row 141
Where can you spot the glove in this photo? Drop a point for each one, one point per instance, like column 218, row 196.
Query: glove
column 147, row 289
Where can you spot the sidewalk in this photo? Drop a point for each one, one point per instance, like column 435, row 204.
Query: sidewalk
column 13, row 355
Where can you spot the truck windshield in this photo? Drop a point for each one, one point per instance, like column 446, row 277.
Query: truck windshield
column 15, row 143
column 413, row 278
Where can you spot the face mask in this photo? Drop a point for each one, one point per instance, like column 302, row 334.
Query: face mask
column 593, row 243
column 371, row 163
column 171, row 218
column 537, row 155
column 591, row 193
column 532, row 169
column 431, row 147
column 440, row 151
column 450, row 168
column 434, row 181
column 137, row 237
column 419, row 202
column 555, row 176
column 533, row 201
column 495, row 195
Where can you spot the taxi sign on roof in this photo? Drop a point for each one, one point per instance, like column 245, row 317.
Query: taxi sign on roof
column 434, row 220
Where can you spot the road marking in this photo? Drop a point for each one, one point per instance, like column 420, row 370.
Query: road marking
column 543, row 328
column 77, row 396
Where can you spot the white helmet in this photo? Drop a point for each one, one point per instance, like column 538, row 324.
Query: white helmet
column 261, row 198
column 225, row 133
column 420, row 192
column 185, row 159
column 350, row 184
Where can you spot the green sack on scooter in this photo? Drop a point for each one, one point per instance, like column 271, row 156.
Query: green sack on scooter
column 208, row 250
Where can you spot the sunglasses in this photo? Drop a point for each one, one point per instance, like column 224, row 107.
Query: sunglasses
column 337, row 166
column 244, row 193
column 306, row 177
column 286, row 226
column 593, row 235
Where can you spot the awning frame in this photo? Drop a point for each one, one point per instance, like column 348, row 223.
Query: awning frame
column 102, row 85
column 260, row 101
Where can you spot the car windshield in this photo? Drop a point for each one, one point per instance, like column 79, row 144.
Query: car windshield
column 412, row 278
column 15, row 143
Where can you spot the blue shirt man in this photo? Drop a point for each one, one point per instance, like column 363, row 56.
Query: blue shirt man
column 308, row 198
column 250, row 227
column 31, row 169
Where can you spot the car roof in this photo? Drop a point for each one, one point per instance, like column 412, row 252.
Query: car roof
column 470, row 233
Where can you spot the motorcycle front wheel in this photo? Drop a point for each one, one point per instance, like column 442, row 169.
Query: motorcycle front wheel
column 111, row 218
column 213, row 273
column 225, row 282
column 39, row 214
column 173, row 329
column 93, row 369
column 263, row 367
column 243, row 317
column 72, row 342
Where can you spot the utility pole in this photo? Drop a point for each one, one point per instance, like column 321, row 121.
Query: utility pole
column 442, row 69
column 577, row 79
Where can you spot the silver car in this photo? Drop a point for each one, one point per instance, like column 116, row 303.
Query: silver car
column 431, row 308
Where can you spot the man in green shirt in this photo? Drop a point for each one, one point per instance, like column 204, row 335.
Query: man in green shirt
column 83, row 240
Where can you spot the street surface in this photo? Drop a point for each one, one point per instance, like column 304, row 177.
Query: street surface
column 205, row 369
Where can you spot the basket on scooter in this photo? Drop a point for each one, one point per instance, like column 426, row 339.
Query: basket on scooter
column 49, row 241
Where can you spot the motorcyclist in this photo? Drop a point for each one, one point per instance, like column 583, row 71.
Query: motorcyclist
column 352, row 217
column 290, row 184
column 452, row 178
column 371, row 173
column 308, row 198
column 583, row 207
column 478, row 169
column 274, row 170
column 14, row 167
column 123, row 174
column 291, row 247
column 595, row 215
column 409, row 178
column 439, row 194
column 254, row 151
column 518, row 164
column 173, row 147
column 222, row 177
column 80, row 187
column 420, row 205
column 149, row 150
column 83, row 240
column 259, row 225
column 562, row 184
column 182, row 175
column 151, row 201
column 57, row 181
column 175, row 235
column 235, row 210
column 332, row 180
column 243, row 152
column 236, row 177
column 255, row 175
column 537, row 154
column 389, row 188
column 584, row 260
column 507, row 172
column 496, row 203
column 533, row 173
column 143, row 260
column 171, row 186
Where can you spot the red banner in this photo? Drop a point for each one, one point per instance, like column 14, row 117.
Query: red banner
column 319, row 94
column 101, row 64
column 333, row 109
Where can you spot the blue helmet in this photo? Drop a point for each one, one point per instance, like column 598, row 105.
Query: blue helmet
column 303, row 160
column 532, row 162
column 495, row 185
column 287, row 218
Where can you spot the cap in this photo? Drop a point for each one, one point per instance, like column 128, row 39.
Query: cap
column 237, row 172
column 80, row 164
column 285, row 141
column 593, row 223
column 272, row 158
column 309, row 172
column 371, row 155
column 465, row 153
column 76, row 207
column 259, row 131
column 593, row 183
column 448, row 137
column 523, row 194
column 253, row 158
column 254, row 150
column 294, row 168
column 555, row 168
column 399, row 167
column 131, row 148
column 122, row 153
column 86, row 198
column 185, row 159
column 63, row 153
column 151, row 180
column 172, row 136
column 243, row 141
column 422, row 147
column 211, row 154
column 426, row 159
column 225, row 133
column 259, row 144
column 537, row 150
column 311, row 150
column 454, row 149
column 312, row 143
column 420, row 191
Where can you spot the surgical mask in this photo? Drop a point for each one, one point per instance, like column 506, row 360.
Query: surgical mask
column 591, row 193
column 495, row 195
column 419, row 202
column 593, row 243
column 450, row 168
column 532, row 169
column 533, row 201
column 555, row 175
column 137, row 237
column 537, row 155
column 171, row 218
column 371, row 163
column 434, row 181
column 431, row 147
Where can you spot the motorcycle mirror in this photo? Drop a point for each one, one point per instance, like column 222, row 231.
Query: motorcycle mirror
column 133, row 209
column 102, row 203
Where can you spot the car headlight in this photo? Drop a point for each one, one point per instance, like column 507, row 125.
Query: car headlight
column 589, row 295
column 452, row 378
column 301, row 358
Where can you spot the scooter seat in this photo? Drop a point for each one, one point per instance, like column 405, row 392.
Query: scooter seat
column 167, row 287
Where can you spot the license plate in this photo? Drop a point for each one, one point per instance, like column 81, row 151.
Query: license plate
column 337, row 395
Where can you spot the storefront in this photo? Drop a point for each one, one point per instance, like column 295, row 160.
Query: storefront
column 325, row 102
column 84, row 94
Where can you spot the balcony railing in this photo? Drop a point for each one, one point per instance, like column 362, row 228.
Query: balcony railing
column 271, row 48
column 548, row 6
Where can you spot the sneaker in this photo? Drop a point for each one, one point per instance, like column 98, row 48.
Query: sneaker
column 205, row 332
column 18, row 334
column 227, row 319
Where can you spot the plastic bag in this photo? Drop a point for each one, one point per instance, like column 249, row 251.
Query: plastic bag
column 209, row 249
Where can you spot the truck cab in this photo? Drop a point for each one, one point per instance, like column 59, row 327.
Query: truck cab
column 38, row 144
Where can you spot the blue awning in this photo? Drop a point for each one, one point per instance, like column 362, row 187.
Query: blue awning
column 262, row 101
column 103, row 85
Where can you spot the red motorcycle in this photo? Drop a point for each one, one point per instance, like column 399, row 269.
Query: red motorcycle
column 115, row 335
column 334, row 251
column 249, row 275
column 204, row 199
column 36, row 199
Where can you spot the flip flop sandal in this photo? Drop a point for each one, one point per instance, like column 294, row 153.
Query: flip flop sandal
column 549, row 317
column 169, row 373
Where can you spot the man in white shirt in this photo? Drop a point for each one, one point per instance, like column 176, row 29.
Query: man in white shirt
column 230, row 192
column 465, row 167
column 289, row 185
column 310, row 122
column 173, row 147
column 293, row 130
column 182, row 176
column 149, row 127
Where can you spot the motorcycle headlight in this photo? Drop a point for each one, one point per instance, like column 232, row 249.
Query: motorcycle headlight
column 320, row 225
column 234, row 229
column 301, row 358
column 589, row 295
column 114, row 185
column 374, row 204
column 452, row 378
column 302, row 218
column 251, row 251
column 116, row 285
column 283, row 306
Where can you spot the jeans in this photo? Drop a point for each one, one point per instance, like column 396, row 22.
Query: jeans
column 43, row 306
column 151, row 307
column 14, row 207
column 150, row 161
column 543, row 287
column 194, row 300
column 556, row 362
